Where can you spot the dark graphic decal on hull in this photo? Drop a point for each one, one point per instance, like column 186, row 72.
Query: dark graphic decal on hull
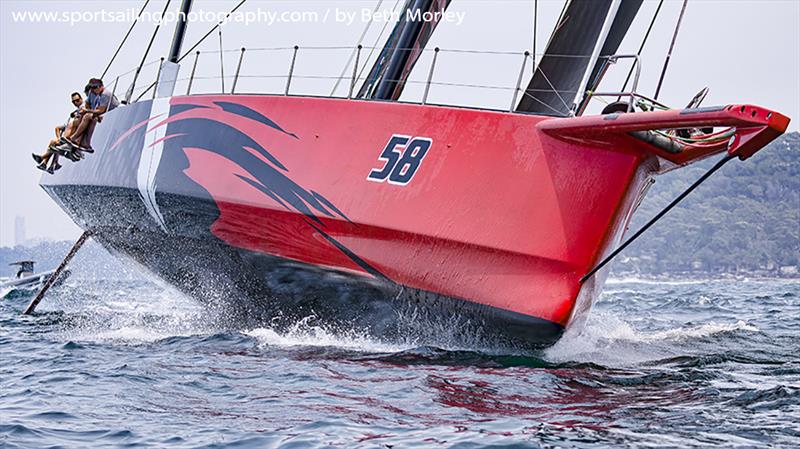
column 244, row 111
column 201, row 129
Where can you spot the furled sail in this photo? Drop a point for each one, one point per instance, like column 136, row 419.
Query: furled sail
column 388, row 75
column 563, row 67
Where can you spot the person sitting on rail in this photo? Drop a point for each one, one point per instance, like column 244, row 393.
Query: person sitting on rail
column 98, row 102
column 51, row 153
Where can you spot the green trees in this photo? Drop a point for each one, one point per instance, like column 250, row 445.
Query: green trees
column 745, row 218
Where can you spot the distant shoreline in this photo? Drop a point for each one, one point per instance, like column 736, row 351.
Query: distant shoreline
column 49, row 253
column 701, row 276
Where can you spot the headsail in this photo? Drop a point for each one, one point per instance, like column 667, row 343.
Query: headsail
column 562, row 69
column 619, row 28
column 388, row 75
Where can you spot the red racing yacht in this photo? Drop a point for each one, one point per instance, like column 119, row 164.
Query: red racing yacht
column 398, row 218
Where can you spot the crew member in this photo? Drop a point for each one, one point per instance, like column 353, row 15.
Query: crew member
column 51, row 155
column 98, row 102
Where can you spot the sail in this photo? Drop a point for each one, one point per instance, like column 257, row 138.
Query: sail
column 619, row 28
column 388, row 75
column 557, row 79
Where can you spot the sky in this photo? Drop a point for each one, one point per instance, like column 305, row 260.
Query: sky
column 745, row 51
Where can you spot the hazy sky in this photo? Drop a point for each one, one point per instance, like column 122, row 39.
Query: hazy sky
column 746, row 51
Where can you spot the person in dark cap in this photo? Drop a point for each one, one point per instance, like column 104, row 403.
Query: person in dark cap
column 98, row 102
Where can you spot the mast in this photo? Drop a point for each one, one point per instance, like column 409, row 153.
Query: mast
column 388, row 75
column 168, row 71
column 586, row 30
column 180, row 31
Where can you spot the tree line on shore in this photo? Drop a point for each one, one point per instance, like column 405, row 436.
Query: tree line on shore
column 744, row 218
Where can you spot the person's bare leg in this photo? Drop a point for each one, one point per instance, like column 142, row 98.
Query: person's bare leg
column 69, row 133
column 86, row 120
column 41, row 159
column 86, row 141
column 71, row 127
column 48, row 152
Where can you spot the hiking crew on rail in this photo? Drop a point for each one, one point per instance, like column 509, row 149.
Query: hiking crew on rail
column 75, row 136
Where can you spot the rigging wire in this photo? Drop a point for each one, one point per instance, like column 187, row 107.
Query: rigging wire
column 124, row 39
column 671, row 46
column 558, row 94
column 658, row 216
column 536, row 67
column 641, row 47
column 375, row 44
column 129, row 93
column 221, row 62
column 189, row 51
column 196, row 44
column 560, row 17
column 535, row 22
column 355, row 50
column 559, row 23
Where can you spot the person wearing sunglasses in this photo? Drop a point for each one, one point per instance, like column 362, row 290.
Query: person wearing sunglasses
column 50, row 155
column 98, row 102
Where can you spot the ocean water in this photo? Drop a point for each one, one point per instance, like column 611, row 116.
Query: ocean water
column 712, row 363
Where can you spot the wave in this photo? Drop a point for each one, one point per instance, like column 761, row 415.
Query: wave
column 319, row 337
column 609, row 340
column 129, row 317
column 12, row 293
column 129, row 334
column 650, row 281
column 777, row 397
column 701, row 331
column 121, row 314
column 625, row 332
column 5, row 291
column 695, row 281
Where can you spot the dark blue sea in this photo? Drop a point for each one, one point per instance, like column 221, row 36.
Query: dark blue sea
column 126, row 363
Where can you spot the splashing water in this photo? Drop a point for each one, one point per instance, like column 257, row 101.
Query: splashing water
column 659, row 363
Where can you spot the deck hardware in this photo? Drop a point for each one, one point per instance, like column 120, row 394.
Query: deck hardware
column 113, row 91
column 519, row 81
column 191, row 77
column 430, row 75
column 355, row 73
column 291, row 70
column 221, row 63
column 158, row 75
column 238, row 68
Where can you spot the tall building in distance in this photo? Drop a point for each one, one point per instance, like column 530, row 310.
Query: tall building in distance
column 19, row 230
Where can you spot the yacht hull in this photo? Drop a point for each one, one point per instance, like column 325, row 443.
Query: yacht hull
column 378, row 215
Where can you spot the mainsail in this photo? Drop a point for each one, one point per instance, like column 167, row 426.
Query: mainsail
column 562, row 71
column 388, row 75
